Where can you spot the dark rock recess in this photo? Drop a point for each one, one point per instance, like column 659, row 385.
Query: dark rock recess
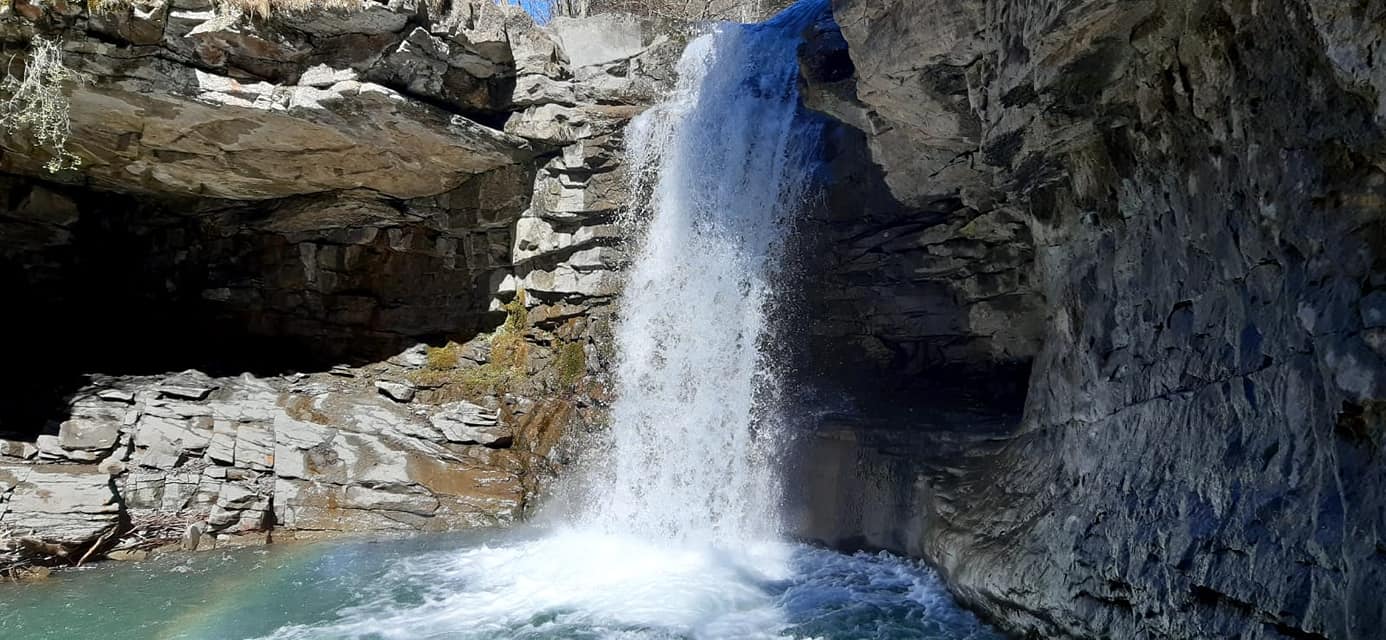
column 1183, row 210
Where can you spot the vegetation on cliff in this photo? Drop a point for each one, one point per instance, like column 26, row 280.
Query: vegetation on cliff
column 32, row 101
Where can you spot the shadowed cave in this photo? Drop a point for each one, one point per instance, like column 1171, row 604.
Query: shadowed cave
column 115, row 284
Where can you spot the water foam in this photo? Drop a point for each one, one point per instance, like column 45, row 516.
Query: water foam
column 626, row 588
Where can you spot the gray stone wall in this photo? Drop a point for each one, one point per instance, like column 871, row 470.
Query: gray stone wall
column 1202, row 443
column 400, row 225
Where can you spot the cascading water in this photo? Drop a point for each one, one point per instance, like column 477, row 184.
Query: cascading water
column 721, row 169
column 678, row 537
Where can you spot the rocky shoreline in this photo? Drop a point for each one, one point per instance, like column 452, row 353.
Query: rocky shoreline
column 149, row 460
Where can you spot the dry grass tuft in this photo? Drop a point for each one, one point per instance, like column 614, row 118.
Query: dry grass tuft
column 258, row 8
column 507, row 367
column 266, row 8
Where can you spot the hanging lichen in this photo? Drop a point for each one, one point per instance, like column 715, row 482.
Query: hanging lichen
column 35, row 104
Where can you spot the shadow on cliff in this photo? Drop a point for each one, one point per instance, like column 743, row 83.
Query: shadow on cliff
column 108, row 284
column 57, row 346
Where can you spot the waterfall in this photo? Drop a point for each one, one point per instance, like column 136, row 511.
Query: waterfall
column 680, row 538
column 719, row 172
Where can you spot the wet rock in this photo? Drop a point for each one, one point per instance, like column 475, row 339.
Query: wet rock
column 127, row 555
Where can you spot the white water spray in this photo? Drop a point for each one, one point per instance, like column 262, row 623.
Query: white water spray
column 720, row 170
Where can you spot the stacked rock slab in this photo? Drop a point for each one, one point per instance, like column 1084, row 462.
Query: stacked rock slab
column 309, row 453
column 567, row 251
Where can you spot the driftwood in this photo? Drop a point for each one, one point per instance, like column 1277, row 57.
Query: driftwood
column 21, row 554
column 151, row 530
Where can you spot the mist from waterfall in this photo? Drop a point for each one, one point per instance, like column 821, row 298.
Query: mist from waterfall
column 720, row 171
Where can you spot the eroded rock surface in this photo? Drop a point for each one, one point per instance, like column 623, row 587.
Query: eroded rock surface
column 417, row 209
column 320, row 453
column 1201, row 187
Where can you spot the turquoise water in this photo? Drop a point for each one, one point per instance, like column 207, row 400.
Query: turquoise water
column 493, row 585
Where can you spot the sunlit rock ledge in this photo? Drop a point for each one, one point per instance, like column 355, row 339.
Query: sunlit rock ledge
column 381, row 242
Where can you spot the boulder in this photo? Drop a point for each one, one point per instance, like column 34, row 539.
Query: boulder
column 599, row 39
column 68, row 505
column 397, row 391
column 467, row 423
column 431, row 67
column 559, row 125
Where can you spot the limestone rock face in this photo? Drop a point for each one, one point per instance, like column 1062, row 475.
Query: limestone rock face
column 321, row 455
column 207, row 104
column 1196, row 191
column 568, row 250
column 66, row 505
column 162, row 127
column 346, row 204
column 917, row 283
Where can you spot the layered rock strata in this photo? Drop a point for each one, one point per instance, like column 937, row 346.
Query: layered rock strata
column 362, row 194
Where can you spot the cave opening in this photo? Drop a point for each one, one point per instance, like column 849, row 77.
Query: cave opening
column 112, row 284
column 914, row 311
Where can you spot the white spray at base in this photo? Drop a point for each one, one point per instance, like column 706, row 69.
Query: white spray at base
column 720, row 171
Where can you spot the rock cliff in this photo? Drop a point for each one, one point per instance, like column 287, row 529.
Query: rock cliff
column 341, row 269
column 1183, row 206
